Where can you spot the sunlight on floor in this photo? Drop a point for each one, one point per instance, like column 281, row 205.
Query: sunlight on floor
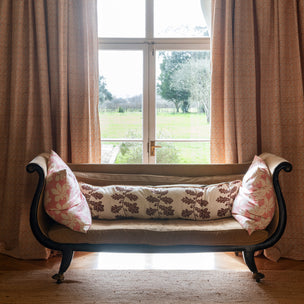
column 138, row 261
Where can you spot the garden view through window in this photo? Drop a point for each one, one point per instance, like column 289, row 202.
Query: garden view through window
column 154, row 81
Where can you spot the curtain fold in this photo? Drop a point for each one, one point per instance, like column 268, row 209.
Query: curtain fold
column 73, row 69
column 258, row 97
column 233, row 88
column 48, row 100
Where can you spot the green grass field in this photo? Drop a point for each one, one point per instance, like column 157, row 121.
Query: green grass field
column 168, row 126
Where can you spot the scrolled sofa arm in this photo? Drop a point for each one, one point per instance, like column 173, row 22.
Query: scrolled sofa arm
column 39, row 220
column 275, row 163
column 40, row 161
column 277, row 226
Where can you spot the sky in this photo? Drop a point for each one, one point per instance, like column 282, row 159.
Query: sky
column 119, row 18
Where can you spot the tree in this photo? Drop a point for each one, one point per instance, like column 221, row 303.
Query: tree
column 104, row 94
column 195, row 76
column 171, row 63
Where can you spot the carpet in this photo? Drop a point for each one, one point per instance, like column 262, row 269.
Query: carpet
column 151, row 286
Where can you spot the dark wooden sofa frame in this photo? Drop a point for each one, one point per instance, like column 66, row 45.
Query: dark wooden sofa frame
column 38, row 217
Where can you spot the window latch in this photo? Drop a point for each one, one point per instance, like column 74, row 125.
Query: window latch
column 153, row 147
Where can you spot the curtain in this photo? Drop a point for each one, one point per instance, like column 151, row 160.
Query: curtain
column 258, row 96
column 48, row 100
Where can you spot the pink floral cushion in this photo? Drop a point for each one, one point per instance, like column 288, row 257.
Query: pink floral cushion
column 161, row 202
column 254, row 205
column 63, row 200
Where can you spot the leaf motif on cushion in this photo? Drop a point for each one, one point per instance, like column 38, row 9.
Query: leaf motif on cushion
column 202, row 202
column 151, row 211
column 60, row 176
column 203, row 213
column 187, row 200
column 116, row 208
column 223, row 199
column 94, row 199
column 187, row 213
column 166, row 200
column 132, row 208
column 97, row 206
column 117, row 196
column 194, row 201
column 86, row 187
column 152, row 199
column 233, row 192
column 122, row 198
column 190, row 192
column 131, row 197
column 222, row 190
column 168, row 211
column 222, row 212
column 87, row 196
column 97, row 195
column 159, row 198
column 60, row 192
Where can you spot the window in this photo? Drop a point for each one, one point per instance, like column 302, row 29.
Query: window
column 154, row 81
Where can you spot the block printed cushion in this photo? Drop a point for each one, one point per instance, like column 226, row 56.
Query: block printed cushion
column 254, row 205
column 63, row 200
column 161, row 202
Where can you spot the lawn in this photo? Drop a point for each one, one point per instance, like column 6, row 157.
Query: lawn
column 168, row 126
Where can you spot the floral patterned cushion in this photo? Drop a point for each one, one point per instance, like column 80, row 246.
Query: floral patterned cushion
column 254, row 205
column 63, row 200
column 161, row 202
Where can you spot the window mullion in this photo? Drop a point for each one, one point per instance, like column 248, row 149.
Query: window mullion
column 150, row 123
column 152, row 104
column 145, row 104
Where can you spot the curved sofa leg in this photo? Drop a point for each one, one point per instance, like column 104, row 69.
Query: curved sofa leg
column 67, row 256
column 248, row 257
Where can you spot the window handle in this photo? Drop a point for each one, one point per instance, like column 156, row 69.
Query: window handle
column 153, row 147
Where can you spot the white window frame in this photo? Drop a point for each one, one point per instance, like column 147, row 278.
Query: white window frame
column 149, row 45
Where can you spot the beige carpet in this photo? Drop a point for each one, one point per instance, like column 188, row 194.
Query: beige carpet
column 151, row 286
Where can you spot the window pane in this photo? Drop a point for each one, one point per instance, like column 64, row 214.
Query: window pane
column 179, row 18
column 183, row 153
column 182, row 94
column 120, row 94
column 121, row 153
column 121, row 18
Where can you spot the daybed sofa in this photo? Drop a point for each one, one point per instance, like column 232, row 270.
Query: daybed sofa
column 142, row 235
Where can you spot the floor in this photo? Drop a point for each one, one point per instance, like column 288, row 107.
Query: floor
column 199, row 261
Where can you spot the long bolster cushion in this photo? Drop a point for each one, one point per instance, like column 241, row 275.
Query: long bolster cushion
column 192, row 202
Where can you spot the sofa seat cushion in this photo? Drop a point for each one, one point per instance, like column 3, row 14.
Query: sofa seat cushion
column 160, row 232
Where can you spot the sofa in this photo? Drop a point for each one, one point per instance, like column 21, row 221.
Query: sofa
column 157, row 235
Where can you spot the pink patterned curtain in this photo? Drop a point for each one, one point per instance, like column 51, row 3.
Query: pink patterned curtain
column 48, row 100
column 258, row 96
